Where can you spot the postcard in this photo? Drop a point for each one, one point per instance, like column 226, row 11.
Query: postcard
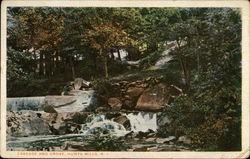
column 125, row 79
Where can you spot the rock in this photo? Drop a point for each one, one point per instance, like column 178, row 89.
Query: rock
column 143, row 85
column 115, row 103
column 102, row 109
column 78, row 101
column 58, row 101
column 73, row 145
column 184, row 139
column 130, row 135
column 143, row 147
column 57, row 121
column 141, row 134
column 127, row 97
column 151, row 139
column 112, row 115
column 49, row 109
column 134, row 91
column 123, row 120
column 151, row 135
column 153, row 98
column 128, row 103
column 66, row 128
column 26, row 124
column 153, row 149
column 164, row 140
column 79, row 82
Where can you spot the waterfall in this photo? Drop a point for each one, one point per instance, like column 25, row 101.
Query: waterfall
column 142, row 121
column 139, row 122
column 80, row 101
column 98, row 123
column 25, row 103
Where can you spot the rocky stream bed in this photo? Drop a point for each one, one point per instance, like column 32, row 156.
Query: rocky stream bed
column 129, row 122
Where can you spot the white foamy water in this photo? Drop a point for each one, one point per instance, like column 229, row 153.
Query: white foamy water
column 142, row 121
column 98, row 122
column 79, row 102
column 139, row 122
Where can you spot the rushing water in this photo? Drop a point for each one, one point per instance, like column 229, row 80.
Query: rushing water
column 95, row 123
column 142, row 121
column 99, row 122
column 81, row 101
column 25, row 103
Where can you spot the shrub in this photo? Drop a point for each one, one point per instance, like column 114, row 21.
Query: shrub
column 212, row 119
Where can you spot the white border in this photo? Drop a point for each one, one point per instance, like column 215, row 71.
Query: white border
column 244, row 5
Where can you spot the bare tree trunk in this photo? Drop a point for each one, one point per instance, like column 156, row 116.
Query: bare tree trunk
column 56, row 62
column 184, row 68
column 47, row 65
column 119, row 55
column 112, row 54
column 72, row 67
column 105, row 63
column 106, row 67
column 41, row 67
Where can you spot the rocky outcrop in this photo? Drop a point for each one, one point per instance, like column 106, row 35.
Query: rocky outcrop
column 115, row 103
column 149, row 94
column 123, row 120
column 79, row 83
column 26, row 123
column 154, row 98
column 76, row 101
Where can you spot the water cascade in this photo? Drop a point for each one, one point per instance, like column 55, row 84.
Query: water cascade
column 100, row 123
column 142, row 121
column 25, row 103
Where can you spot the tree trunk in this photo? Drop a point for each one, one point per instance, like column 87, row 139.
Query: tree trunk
column 56, row 63
column 106, row 67
column 41, row 67
column 105, row 63
column 184, row 67
column 72, row 67
column 119, row 55
column 112, row 53
column 47, row 65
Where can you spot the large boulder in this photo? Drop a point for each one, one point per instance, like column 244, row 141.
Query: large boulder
column 131, row 96
column 154, row 98
column 65, row 122
column 60, row 101
column 79, row 82
column 134, row 91
column 26, row 124
column 76, row 102
column 115, row 103
column 123, row 120
column 184, row 139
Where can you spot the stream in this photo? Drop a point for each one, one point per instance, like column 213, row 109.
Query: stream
column 140, row 126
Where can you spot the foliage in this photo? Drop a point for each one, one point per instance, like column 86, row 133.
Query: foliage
column 210, row 112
